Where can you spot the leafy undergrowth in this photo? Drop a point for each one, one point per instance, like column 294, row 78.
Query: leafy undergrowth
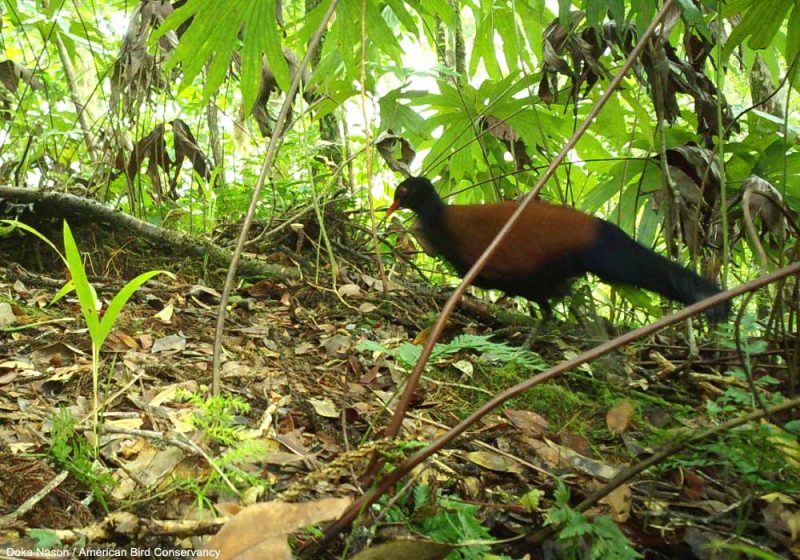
column 308, row 376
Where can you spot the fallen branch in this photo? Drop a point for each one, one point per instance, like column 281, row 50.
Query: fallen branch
column 76, row 209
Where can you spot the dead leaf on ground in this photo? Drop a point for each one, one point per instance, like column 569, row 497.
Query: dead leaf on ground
column 404, row 549
column 303, row 348
column 781, row 523
column 349, row 290
column 619, row 417
column 261, row 530
column 169, row 344
column 7, row 317
column 528, row 421
column 46, row 354
column 493, row 461
column 165, row 315
column 324, row 407
column 619, row 503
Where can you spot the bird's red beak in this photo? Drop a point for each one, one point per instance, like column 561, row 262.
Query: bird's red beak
column 395, row 205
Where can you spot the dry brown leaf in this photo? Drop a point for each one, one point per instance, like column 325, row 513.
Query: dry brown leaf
column 7, row 317
column 404, row 549
column 324, row 407
column 351, row 290
column 528, row 421
column 169, row 344
column 303, row 348
column 119, row 341
column 493, row 461
column 260, row 531
column 367, row 307
column 619, row 503
column 619, row 417
column 165, row 315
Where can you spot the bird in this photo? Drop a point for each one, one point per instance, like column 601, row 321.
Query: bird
column 549, row 246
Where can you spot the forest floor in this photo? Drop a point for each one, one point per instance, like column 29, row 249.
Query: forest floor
column 309, row 377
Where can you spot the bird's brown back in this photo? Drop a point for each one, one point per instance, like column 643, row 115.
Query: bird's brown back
column 543, row 234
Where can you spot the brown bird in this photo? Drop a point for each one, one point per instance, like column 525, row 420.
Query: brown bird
column 547, row 247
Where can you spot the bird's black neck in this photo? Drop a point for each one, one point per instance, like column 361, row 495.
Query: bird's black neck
column 432, row 212
column 438, row 234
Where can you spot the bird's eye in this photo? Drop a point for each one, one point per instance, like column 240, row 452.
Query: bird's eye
column 402, row 191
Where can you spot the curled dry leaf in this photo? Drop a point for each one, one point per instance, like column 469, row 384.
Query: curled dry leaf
column 7, row 317
column 619, row 503
column 619, row 417
column 261, row 530
column 351, row 290
column 396, row 151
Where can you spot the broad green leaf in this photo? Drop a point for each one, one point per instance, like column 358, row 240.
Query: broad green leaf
column 213, row 35
column 86, row 297
column 690, row 12
column 266, row 39
column 401, row 13
column 379, row 33
column 65, row 289
column 483, row 49
column 513, row 40
column 760, row 22
column 766, row 28
column 122, row 298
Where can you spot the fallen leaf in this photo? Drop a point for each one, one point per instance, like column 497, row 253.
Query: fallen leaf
column 165, row 315
column 493, row 461
column 171, row 344
column 527, row 420
column 349, row 290
column 261, row 531
column 404, row 549
column 7, row 317
column 464, row 366
column 619, row 503
column 303, row 348
column 324, row 407
column 619, row 417
column 336, row 344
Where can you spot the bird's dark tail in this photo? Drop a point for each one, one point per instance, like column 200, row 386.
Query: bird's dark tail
column 618, row 259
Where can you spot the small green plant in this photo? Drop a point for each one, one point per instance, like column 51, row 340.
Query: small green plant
column 216, row 416
column 73, row 452
column 445, row 521
column 408, row 354
column 99, row 327
column 599, row 539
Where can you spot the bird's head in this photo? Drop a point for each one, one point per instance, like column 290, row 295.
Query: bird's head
column 415, row 193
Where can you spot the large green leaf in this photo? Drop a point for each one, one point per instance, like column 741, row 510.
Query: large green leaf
column 213, row 36
column 760, row 22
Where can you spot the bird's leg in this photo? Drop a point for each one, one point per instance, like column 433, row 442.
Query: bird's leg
column 542, row 324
